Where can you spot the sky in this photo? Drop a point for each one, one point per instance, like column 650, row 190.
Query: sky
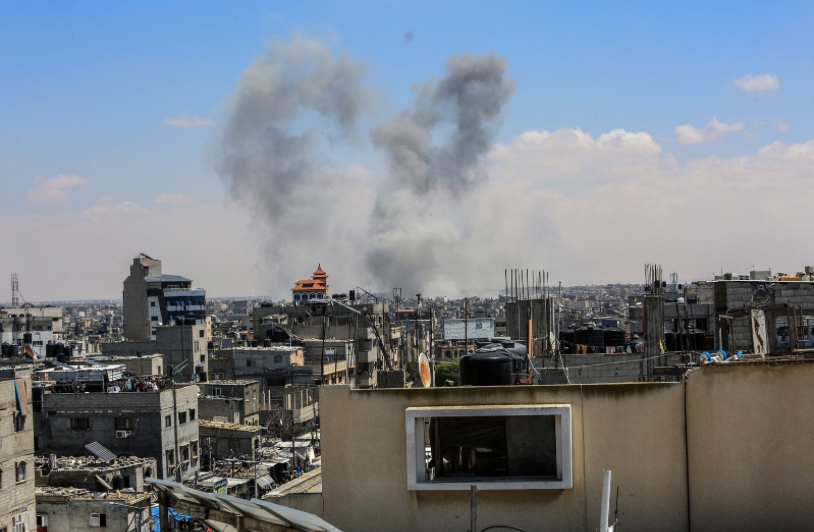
column 245, row 143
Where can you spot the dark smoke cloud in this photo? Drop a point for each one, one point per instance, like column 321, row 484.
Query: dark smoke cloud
column 261, row 159
column 287, row 103
column 463, row 109
column 293, row 97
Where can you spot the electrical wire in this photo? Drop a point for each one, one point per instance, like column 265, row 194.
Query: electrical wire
column 507, row 527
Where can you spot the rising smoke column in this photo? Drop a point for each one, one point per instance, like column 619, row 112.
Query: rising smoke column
column 410, row 232
column 286, row 103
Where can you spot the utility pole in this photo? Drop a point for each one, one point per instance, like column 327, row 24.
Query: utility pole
column 466, row 325
column 322, row 363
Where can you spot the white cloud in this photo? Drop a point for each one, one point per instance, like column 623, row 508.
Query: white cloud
column 782, row 126
column 104, row 209
column 760, row 83
column 54, row 190
column 184, row 120
column 173, row 198
column 714, row 130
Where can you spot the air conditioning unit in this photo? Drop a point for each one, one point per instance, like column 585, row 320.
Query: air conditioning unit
column 123, row 433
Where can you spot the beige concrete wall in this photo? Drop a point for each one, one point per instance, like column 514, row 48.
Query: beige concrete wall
column 636, row 430
column 750, row 431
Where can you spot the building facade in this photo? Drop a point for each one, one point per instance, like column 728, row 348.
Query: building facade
column 162, row 425
column 151, row 299
column 17, row 499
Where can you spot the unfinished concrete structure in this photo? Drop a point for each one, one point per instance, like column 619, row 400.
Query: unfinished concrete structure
column 16, row 452
column 229, row 440
column 162, row 425
column 93, row 473
column 234, row 401
column 80, row 510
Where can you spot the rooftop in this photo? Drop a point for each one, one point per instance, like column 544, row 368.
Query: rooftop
column 167, row 279
column 66, row 494
column 223, row 425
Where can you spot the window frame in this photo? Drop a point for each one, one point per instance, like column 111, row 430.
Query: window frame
column 416, row 474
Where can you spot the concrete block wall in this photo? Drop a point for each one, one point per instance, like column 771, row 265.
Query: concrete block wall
column 16, row 447
column 151, row 436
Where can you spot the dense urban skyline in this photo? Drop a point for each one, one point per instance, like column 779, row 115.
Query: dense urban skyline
column 618, row 135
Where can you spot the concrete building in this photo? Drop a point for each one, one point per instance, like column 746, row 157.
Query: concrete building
column 17, row 511
column 93, row 473
column 664, row 443
column 274, row 367
column 244, row 411
column 137, row 365
column 177, row 344
column 229, row 440
column 57, row 314
column 29, row 333
column 161, row 425
column 151, row 299
column 80, row 510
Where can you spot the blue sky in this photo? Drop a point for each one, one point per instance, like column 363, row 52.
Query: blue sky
column 86, row 86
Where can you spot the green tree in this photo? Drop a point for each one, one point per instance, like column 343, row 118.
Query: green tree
column 447, row 371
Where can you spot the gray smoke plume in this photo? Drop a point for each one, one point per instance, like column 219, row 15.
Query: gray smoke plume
column 261, row 159
column 287, row 102
column 411, row 233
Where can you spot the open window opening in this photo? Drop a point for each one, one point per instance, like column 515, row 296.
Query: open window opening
column 493, row 447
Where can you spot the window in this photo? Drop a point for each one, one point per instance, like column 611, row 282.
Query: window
column 194, row 449
column 19, row 422
column 152, row 303
column 159, row 371
column 203, row 358
column 124, row 423
column 254, row 395
column 98, row 520
column 19, row 520
column 192, row 414
column 80, row 423
column 499, row 447
column 248, row 363
column 153, row 318
column 201, row 333
column 42, row 521
column 216, row 391
column 20, row 471
column 278, row 359
column 182, row 417
column 185, row 453
column 170, row 459
column 168, row 421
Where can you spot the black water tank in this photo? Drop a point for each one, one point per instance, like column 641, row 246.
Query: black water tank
column 13, row 350
column 614, row 336
column 590, row 335
column 118, row 482
column 255, row 343
column 28, row 338
column 567, row 335
column 698, row 339
column 210, row 345
column 671, row 342
column 67, row 350
column 202, row 377
column 488, row 366
column 267, row 342
column 4, row 350
column 49, row 350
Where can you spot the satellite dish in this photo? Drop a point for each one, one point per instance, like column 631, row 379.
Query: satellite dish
column 424, row 370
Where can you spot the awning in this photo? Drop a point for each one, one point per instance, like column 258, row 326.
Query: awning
column 22, row 398
column 265, row 481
